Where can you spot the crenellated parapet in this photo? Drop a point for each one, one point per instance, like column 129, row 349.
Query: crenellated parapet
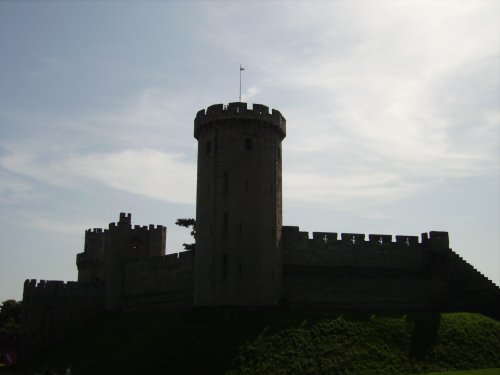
column 150, row 227
column 125, row 218
column 357, row 271
column 144, row 228
column 128, row 244
column 125, row 221
column 107, row 249
column 357, row 249
column 124, row 235
column 217, row 113
column 95, row 231
column 438, row 240
column 90, row 262
column 41, row 297
column 94, row 242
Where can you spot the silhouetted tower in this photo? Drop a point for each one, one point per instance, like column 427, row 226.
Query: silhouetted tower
column 124, row 244
column 238, row 205
column 90, row 263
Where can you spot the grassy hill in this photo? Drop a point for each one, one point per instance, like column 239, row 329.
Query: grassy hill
column 274, row 342
column 493, row 371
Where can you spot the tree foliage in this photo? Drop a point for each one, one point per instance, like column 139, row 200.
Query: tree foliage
column 10, row 309
column 188, row 223
column 10, row 315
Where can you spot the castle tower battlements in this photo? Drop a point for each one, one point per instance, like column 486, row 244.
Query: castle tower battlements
column 237, row 111
column 90, row 263
column 106, row 252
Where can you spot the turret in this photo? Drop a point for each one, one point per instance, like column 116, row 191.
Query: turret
column 238, row 205
column 108, row 250
column 125, row 219
column 90, row 263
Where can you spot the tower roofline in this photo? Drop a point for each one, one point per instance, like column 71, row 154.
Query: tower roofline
column 238, row 110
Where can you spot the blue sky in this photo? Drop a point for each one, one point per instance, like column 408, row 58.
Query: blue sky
column 392, row 111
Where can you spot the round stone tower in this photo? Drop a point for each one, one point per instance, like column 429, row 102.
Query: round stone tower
column 238, row 205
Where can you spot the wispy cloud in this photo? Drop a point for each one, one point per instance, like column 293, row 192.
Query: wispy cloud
column 391, row 106
column 13, row 189
column 391, row 95
column 53, row 225
column 379, row 103
column 130, row 148
column 149, row 173
column 145, row 172
column 250, row 94
column 344, row 191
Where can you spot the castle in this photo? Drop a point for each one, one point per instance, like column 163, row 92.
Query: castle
column 244, row 256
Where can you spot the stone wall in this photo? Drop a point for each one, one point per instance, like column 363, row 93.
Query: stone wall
column 121, row 268
column 238, row 205
column 374, row 273
column 347, row 272
column 351, row 249
column 160, row 283
column 51, row 309
column 125, row 244
column 468, row 289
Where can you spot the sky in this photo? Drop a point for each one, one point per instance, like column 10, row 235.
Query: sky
column 392, row 109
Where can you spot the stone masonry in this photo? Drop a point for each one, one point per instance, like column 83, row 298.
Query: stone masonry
column 238, row 205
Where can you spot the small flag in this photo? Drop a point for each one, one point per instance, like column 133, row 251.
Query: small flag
column 241, row 68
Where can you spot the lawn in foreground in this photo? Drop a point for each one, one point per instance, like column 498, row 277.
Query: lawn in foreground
column 491, row 371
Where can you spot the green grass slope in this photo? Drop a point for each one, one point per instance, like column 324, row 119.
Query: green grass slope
column 274, row 342
column 493, row 371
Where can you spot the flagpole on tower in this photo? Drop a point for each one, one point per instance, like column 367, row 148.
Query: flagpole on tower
column 241, row 68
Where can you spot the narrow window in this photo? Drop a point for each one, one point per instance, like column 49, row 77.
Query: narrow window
column 248, row 143
column 225, row 225
column 224, row 266
column 208, row 147
column 241, row 228
column 240, row 270
column 246, row 186
column 279, row 153
column 272, row 274
column 271, row 190
column 225, row 188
